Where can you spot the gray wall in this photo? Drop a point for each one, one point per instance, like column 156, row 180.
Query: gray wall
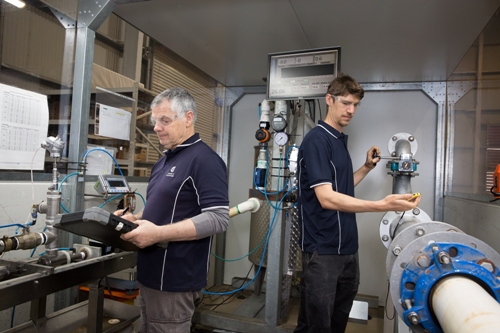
column 381, row 115
column 477, row 219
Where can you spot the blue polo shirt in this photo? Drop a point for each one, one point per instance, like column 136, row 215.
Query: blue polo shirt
column 324, row 159
column 185, row 182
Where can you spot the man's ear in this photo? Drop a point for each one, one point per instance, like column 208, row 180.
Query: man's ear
column 189, row 118
column 329, row 99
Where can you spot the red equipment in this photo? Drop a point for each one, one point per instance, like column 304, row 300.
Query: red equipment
column 495, row 189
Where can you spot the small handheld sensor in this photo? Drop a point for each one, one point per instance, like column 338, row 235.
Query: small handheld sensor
column 414, row 196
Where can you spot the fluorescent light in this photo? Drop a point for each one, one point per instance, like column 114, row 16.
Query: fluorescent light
column 17, row 3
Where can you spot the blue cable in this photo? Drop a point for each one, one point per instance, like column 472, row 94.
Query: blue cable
column 143, row 201
column 265, row 193
column 19, row 225
column 261, row 259
column 265, row 185
column 267, row 199
column 64, row 179
column 60, row 187
column 246, row 255
column 269, row 193
column 110, row 199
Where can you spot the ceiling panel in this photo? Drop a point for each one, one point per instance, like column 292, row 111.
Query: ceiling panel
column 381, row 41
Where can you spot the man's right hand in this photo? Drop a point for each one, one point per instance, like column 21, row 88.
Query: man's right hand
column 128, row 216
column 399, row 202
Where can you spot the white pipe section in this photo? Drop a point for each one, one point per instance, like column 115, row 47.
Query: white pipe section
column 252, row 205
column 463, row 306
column 265, row 110
column 309, row 121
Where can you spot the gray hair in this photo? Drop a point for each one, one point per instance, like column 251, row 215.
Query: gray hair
column 180, row 99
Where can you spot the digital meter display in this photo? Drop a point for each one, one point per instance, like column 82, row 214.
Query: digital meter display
column 111, row 185
column 301, row 74
column 116, row 183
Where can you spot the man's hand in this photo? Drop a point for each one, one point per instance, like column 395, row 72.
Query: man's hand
column 146, row 234
column 401, row 202
column 128, row 216
column 371, row 161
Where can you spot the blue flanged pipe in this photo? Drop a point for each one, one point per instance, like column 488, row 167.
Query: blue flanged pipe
column 435, row 262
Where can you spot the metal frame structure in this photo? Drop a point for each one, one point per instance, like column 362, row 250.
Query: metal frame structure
column 38, row 281
column 34, row 282
column 443, row 94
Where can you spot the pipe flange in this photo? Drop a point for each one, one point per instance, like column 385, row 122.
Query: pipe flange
column 390, row 221
column 413, row 250
column 407, row 235
column 391, row 146
column 447, row 259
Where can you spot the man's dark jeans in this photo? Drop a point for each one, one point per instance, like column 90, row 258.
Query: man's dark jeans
column 327, row 289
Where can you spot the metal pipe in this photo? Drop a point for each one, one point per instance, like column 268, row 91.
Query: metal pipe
column 463, row 306
column 53, row 201
column 401, row 184
column 28, row 240
column 403, row 147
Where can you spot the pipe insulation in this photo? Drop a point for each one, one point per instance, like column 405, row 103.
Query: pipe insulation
column 463, row 306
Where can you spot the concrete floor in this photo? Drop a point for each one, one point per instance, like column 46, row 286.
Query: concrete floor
column 233, row 304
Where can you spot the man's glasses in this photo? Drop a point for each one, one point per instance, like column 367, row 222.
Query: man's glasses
column 164, row 120
column 346, row 103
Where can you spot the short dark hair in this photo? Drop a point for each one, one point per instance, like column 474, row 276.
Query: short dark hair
column 344, row 85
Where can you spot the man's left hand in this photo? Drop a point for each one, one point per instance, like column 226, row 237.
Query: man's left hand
column 146, row 234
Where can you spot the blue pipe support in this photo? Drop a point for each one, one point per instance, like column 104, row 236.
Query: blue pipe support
column 417, row 282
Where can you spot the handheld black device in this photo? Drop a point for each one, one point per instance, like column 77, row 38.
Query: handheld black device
column 98, row 224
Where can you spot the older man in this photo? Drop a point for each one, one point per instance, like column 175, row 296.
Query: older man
column 187, row 203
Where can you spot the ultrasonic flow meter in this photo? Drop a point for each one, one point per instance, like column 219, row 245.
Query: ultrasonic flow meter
column 303, row 74
column 109, row 185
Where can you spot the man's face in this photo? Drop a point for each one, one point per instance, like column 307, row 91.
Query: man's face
column 171, row 130
column 341, row 109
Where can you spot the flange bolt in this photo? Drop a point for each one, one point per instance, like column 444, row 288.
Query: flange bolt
column 413, row 318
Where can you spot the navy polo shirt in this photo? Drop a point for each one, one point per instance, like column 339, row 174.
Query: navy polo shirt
column 185, row 182
column 324, row 159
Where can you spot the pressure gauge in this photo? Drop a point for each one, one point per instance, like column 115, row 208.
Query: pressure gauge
column 279, row 123
column 281, row 138
column 405, row 163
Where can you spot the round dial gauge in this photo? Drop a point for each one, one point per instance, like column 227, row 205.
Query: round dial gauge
column 281, row 138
